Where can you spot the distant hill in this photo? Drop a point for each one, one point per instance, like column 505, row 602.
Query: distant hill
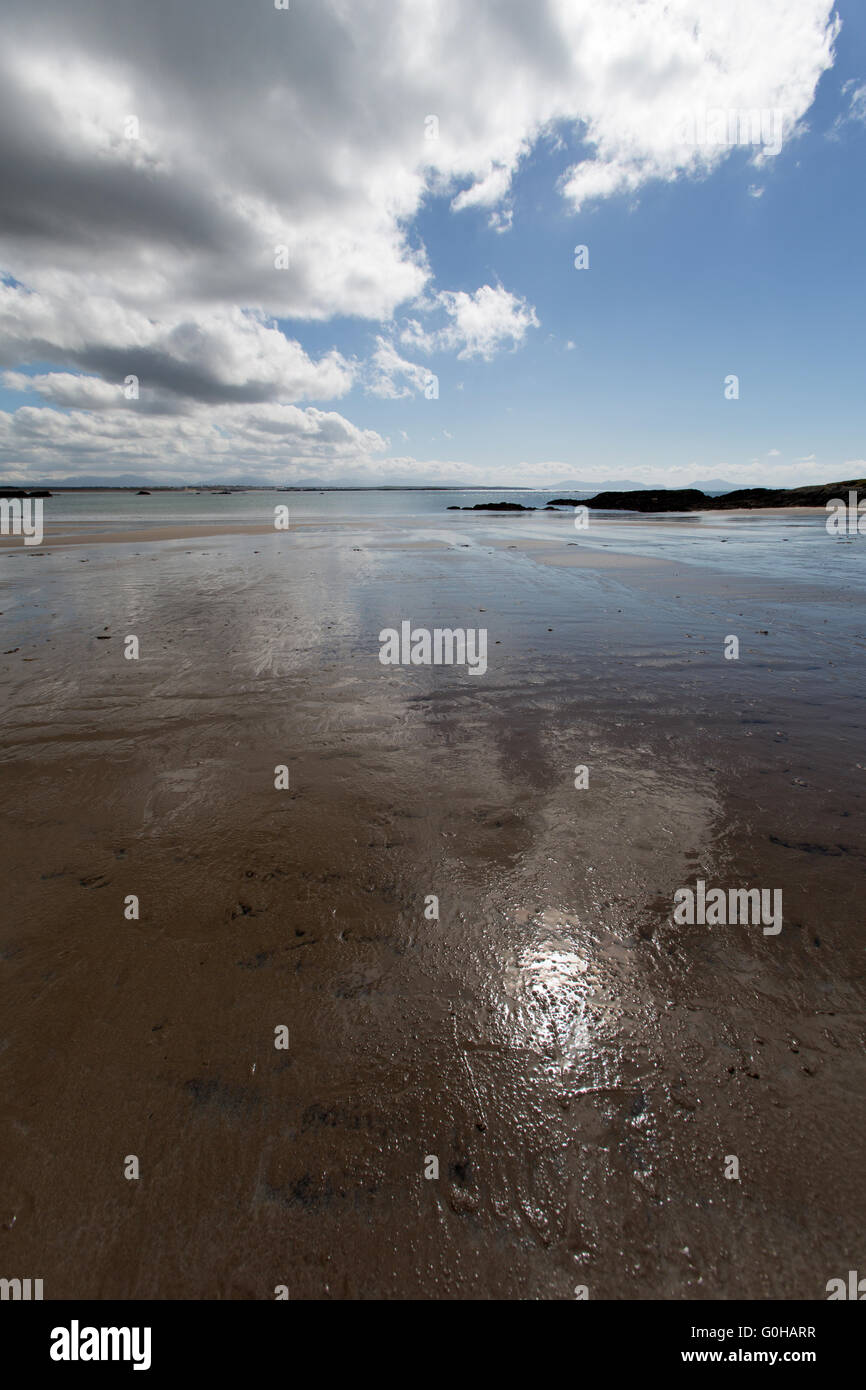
column 626, row 485
column 609, row 483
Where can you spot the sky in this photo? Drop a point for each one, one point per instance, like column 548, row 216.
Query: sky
column 335, row 241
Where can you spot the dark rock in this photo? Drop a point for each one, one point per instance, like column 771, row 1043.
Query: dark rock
column 691, row 499
column 687, row 499
column 495, row 507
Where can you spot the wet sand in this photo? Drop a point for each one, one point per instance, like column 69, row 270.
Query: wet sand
column 580, row 1066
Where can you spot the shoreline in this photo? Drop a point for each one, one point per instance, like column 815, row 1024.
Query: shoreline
column 205, row 530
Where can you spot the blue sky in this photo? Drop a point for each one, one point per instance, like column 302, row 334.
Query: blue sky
column 612, row 372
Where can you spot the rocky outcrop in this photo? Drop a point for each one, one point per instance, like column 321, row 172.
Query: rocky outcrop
column 691, row 499
column 493, row 507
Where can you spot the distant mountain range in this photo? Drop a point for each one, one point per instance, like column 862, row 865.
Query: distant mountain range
column 622, row 488
column 626, row 485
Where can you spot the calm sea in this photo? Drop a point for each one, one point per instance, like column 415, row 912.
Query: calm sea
column 792, row 545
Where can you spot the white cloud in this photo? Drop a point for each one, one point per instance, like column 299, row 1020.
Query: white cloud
column 856, row 101
column 663, row 65
column 214, row 354
column 305, row 129
column 479, row 325
column 487, row 192
column 220, row 442
column 391, row 376
column 68, row 390
column 856, row 112
column 501, row 220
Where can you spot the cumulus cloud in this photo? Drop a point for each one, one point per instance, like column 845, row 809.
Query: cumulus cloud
column 274, row 443
column 306, row 127
column 393, row 377
column 218, row 354
column 676, row 87
column 226, row 442
column 186, row 186
column 476, row 325
column 479, row 324
column 68, row 390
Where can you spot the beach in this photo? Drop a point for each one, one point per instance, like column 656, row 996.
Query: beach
column 581, row 1067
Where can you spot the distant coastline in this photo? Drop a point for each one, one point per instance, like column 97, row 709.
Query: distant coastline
column 642, row 500
column 637, row 499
